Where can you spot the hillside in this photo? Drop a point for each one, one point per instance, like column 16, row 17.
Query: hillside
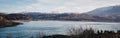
column 17, row 17
column 7, row 23
column 70, row 17
column 104, row 14
column 106, row 11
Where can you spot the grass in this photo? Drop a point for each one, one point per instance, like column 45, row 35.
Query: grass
column 87, row 33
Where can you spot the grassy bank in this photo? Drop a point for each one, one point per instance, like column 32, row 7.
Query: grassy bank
column 88, row 33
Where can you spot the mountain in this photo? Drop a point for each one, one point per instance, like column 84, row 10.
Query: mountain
column 17, row 16
column 34, row 15
column 106, row 11
column 104, row 14
column 68, row 16
column 112, row 12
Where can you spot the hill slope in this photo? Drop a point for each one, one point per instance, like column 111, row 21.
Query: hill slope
column 106, row 11
column 6, row 23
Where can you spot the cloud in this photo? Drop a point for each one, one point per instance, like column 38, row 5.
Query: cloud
column 85, row 5
column 58, row 5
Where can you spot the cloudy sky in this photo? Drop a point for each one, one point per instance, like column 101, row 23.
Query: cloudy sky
column 77, row 6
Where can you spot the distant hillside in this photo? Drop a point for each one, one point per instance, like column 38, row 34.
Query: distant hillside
column 17, row 17
column 70, row 17
column 104, row 14
column 106, row 11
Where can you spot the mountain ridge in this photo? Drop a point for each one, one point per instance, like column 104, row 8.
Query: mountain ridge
column 111, row 10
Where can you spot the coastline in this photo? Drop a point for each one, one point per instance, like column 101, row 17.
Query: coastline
column 9, row 24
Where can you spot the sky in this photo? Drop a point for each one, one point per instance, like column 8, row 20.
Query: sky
column 54, row 6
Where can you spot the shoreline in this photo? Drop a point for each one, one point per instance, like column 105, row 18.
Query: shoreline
column 63, row 20
column 11, row 24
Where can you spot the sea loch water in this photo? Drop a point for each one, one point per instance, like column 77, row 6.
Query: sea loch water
column 33, row 28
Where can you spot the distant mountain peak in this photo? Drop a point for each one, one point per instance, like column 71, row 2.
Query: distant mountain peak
column 111, row 10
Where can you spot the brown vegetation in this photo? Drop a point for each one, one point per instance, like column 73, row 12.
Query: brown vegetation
column 88, row 33
column 7, row 23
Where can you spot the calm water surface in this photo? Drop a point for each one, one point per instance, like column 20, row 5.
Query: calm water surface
column 32, row 28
